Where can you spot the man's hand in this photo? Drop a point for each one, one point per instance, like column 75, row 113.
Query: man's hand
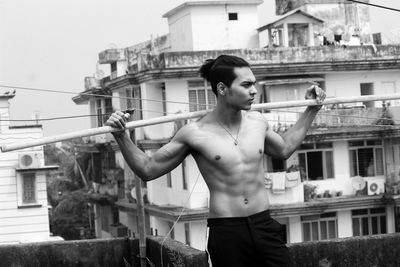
column 315, row 92
column 118, row 120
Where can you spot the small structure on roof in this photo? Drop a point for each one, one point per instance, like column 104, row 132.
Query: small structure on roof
column 294, row 29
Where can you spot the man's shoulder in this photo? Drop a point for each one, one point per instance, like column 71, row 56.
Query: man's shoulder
column 186, row 131
column 256, row 115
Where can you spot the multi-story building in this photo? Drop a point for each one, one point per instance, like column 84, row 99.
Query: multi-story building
column 23, row 195
column 339, row 173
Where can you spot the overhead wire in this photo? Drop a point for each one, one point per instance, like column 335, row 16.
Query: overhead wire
column 138, row 109
column 374, row 5
column 100, row 95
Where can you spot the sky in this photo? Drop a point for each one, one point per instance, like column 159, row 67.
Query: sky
column 54, row 44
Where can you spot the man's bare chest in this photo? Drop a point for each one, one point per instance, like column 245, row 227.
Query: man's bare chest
column 219, row 146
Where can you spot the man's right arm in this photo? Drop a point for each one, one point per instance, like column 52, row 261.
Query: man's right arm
column 149, row 167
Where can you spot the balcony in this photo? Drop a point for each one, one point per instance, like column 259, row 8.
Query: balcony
column 377, row 250
column 338, row 123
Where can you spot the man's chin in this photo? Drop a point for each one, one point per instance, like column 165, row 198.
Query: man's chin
column 247, row 107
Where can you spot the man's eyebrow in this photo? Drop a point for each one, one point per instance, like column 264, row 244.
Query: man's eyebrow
column 249, row 82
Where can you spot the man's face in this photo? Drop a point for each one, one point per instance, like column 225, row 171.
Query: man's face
column 242, row 91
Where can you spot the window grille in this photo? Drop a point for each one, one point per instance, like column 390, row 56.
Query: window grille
column 369, row 221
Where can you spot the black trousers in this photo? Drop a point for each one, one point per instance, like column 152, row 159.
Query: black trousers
column 253, row 241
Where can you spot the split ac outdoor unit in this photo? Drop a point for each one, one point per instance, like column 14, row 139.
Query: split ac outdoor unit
column 27, row 160
column 376, row 187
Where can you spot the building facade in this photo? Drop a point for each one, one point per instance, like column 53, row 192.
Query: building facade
column 344, row 179
column 23, row 195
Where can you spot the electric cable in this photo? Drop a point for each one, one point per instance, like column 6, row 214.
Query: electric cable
column 132, row 98
column 369, row 4
column 176, row 221
column 100, row 95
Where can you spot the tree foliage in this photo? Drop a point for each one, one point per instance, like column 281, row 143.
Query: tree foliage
column 71, row 214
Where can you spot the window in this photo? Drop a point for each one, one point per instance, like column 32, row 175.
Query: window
column 367, row 89
column 99, row 111
column 114, row 72
column 164, row 100
column 29, row 188
column 109, row 161
column 317, row 160
column 184, row 181
column 115, row 214
column 187, row 234
column 337, row 38
column 366, row 158
column 169, row 180
column 105, row 219
column 233, row 16
column 377, row 38
column 273, row 165
column 171, row 229
column 201, row 97
column 108, row 108
column 369, row 221
column 134, row 101
column 319, row 227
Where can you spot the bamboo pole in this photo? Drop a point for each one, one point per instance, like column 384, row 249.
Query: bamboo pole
column 189, row 115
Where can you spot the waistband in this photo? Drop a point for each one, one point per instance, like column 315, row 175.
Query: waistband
column 259, row 216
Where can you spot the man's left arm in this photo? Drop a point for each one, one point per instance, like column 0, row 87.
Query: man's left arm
column 282, row 146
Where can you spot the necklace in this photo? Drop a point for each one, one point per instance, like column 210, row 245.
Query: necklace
column 235, row 140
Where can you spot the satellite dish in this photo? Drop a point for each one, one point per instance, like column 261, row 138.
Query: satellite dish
column 358, row 183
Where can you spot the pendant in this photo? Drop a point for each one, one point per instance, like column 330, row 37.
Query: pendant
column 236, row 142
column 246, row 201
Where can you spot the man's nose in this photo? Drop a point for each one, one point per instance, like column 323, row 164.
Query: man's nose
column 253, row 90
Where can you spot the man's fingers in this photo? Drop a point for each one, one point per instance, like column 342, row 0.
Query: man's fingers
column 117, row 119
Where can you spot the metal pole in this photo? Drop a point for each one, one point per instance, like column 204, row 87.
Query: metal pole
column 190, row 115
column 140, row 213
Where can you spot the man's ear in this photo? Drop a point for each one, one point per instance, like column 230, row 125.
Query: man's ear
column 221, row 88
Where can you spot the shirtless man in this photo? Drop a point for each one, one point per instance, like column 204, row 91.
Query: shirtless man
column 228, row 145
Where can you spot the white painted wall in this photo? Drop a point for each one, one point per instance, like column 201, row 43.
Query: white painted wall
column 198, row 231
column 295, row 232
column 390, row 219
column 153, row 109
column 28, row 224
column 343, row 84
column 180, row 31
column 212, row 30
column 177, row 90
column 208, row 28
column 345, row 224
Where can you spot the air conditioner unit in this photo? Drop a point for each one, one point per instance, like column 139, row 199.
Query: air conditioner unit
column 27, row 160
column 376, row 187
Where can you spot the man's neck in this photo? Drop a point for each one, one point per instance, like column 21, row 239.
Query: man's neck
column 228, row 116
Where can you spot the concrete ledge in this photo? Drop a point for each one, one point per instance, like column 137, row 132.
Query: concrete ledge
column 174, row 253
column 91, row 252
column 378, row 250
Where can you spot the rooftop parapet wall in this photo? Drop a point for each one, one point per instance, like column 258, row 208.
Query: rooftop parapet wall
column 378, row 250
column 98, row 252
column 293, row 55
